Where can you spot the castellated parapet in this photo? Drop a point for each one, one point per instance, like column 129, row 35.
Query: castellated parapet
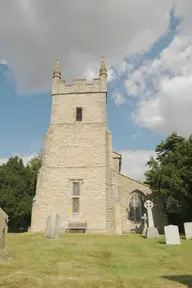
column 78, row 86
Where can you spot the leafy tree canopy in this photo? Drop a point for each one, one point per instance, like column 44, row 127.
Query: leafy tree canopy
column 17, row 189
column 169, row 174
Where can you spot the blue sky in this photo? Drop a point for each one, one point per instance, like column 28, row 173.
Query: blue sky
column 153, row 63
column 24, row 119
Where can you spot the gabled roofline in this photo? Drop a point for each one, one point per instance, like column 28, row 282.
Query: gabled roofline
column 3, row 213
column 117, row 153
column 137, row 181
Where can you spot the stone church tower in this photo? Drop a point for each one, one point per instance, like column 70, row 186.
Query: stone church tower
column 80, row 176
column 75, row 178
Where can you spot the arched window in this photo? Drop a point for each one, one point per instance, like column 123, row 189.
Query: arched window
column 136, row 206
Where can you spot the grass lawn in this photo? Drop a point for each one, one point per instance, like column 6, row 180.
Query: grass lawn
column 95, row 261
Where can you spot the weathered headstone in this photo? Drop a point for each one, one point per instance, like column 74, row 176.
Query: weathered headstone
column 4, row 257
column 52, row 226
column 3, row 227
column 144, row 217
column 188, row 230
column 6, row 218
column 151, row 231
column 172, row 235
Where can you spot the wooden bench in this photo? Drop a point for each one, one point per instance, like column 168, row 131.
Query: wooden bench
column 77, row 227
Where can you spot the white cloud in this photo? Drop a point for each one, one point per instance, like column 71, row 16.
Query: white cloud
column 118, row 98
column 3, row 160
column 111, row 75
column 163, row 87
column 133, row 163
column 132, row 88
column 25, row 159
column 134, row 136
column 2, row 61
column 183, row 11
column 79, row 32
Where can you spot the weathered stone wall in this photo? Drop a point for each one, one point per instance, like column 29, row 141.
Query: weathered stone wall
column 56, row 194
column 116, row 162
column 126, row 187
column 109, row 167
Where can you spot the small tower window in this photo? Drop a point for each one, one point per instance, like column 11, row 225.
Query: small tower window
column 76, row 197
column 79, row 114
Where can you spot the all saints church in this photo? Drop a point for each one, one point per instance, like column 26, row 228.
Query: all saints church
column 80, row 178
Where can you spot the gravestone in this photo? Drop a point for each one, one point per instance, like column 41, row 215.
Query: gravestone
column 144, row 217
column 188, row 230
column 172, row 235
column 151, row 231
column 52, row 226
column 3, row 227
column 4, row 257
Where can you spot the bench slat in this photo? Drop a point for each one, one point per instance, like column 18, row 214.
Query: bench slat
column 76, row 225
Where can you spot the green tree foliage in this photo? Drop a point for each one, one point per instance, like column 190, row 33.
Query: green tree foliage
column 34, row 166
column 36, row 162
column 169, row 174
column 17, row 189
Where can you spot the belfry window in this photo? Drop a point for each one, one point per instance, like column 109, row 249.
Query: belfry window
column 79, row 114
column 76, row 197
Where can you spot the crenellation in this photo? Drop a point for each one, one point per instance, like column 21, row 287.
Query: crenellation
column 96, row 81
column 79, row 82
column 79, row 86
column 63, row 82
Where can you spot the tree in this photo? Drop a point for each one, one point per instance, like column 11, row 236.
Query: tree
column 169, row 174
column 34, row 166
column 17, row 190
column 36, row 162
column 14, row 197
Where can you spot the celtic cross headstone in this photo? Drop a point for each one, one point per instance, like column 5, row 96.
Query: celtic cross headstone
column 149, row 205
column 151, row 231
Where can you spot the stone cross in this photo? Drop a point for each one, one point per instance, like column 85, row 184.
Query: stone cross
column 149, row 205
column 144, row 217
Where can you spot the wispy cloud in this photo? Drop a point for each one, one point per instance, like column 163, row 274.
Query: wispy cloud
column 118, row 98
column 134, row 163
column 2, row 61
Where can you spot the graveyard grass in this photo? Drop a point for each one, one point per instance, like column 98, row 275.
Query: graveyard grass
column 95, row 261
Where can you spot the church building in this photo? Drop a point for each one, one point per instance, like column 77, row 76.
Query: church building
column 80, row 178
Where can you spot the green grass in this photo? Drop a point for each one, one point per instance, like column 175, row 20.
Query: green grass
column 95, row 261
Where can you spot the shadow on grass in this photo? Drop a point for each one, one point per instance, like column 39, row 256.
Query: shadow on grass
column 162, row 241
column 159, row 240
column 182, row 279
